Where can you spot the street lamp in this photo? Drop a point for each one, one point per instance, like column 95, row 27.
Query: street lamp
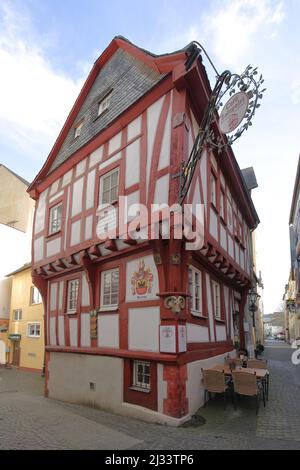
column 253, row 296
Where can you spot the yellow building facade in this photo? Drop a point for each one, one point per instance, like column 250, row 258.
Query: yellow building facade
column 26, row 327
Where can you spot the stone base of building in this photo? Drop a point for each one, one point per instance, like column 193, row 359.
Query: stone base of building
column 100, row 382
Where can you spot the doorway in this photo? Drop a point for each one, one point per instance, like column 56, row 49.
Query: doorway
column 16, row 353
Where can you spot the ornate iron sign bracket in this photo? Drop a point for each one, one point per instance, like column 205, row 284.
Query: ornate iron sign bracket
column 229, row 85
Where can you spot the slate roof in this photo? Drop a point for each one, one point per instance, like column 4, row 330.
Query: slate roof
column 129, row 79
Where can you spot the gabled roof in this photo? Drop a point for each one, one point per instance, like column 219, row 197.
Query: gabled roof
column 154, row 68
column 295, row 193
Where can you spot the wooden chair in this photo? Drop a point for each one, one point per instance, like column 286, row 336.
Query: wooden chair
column 214, row 382
column 236, row 361
column 245, row 383
column 260, row 364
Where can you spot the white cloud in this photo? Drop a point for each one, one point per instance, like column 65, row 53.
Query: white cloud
column 236, row 26
column 34, row 98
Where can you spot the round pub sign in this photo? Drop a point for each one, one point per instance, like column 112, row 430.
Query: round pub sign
column 233, row 112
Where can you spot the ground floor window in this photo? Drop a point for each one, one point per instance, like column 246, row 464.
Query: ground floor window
column 141, row 375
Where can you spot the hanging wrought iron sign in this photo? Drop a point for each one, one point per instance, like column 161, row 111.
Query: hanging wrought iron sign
column 241, row 95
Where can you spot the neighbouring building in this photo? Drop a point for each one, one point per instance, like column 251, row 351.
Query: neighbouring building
column 130, row 323
column 292, row 293
column 274, row 324
column 26, row 326
column 16, row 217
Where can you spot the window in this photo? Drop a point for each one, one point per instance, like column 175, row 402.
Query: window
column 104, row 104
column 141, row 375
column 110, row 187
column 17, row 314
column 55, row 219
column 110, row 288
column 195, row 287
column 217, row 300
column 34, row 330
column 77, row 129
column 35, row 296
column 73, row 287
column 222, row 205
column 213, row 189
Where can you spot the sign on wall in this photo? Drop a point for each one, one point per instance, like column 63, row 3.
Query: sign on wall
column 141, row 279
column 168, row 338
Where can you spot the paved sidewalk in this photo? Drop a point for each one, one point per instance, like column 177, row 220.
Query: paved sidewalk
column 30, row 421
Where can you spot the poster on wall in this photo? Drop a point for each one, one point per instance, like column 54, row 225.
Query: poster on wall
column 141, row 279
column 168, row 338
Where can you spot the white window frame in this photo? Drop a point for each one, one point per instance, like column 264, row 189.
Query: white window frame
column 217, row 299
column 39, row 297
column 222, row 205
column 195, row 274
column 18, row 311
column 35, row 324
column 110, row 306
column 77, row 129
column 104, row 104
column 71, row 282
column 55, row 224
column 137, row 383
column 102, row 178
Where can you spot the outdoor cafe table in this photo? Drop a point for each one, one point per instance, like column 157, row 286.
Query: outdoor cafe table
column 261, row 374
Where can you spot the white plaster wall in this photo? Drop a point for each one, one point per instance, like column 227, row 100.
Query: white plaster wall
column 132, row 167
column 80, row 168
column 161, row 388
column 161, row 194
column 115, row 143
column 194, row 388
column 53, row 247
column 153, row 114
column 143, row 329
column 90, row 189
column 52, row 331
column 197, row 333
column 108, row 331
column 96, row 156
column 73, row 331
column 38, row 249
column 85, row 330
column 230, row 246
column 134, row 128
column 67, row 178
column 221, row 332
column 164, row 158
column 88, row 230
column 77, row 197
column 75, row 233
column 223, row 238
column 5, row 294
column 61, row 330
column 53, row 295
column 111, row 160
column 213, row 224
column 41, row 212
column 60, row 297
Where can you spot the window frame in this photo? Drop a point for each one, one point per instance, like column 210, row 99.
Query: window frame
column 223, row 207
column 214, row 178
column 108, row 307
column 78, row 128
column 14, row 313
column 33, row 324
column 101, row 185
column 106, row 98
column 136, row 384
column 217, row 305
column 31, row 296
column 74, row 310
column 51, row 208
column 194, row 311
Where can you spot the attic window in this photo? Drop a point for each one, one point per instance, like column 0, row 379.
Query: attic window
column 77, row 129
column 104, row 104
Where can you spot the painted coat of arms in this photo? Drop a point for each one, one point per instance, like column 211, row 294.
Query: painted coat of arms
column 142, row 280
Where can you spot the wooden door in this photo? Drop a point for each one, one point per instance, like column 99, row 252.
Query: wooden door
column 16, row 353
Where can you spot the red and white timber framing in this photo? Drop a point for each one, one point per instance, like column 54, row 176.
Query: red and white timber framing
column 147, row 143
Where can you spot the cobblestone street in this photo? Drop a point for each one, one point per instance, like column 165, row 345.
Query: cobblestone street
column 30, row 421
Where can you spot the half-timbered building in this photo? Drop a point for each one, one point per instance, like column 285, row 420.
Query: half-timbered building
column 130, row 323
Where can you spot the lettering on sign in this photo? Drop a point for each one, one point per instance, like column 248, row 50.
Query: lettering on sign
column 233, row 112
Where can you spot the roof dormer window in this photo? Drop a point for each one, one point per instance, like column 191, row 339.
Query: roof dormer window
column 104, row 104
column 77, row 129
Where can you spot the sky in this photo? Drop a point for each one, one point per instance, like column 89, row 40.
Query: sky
column 47, row 48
